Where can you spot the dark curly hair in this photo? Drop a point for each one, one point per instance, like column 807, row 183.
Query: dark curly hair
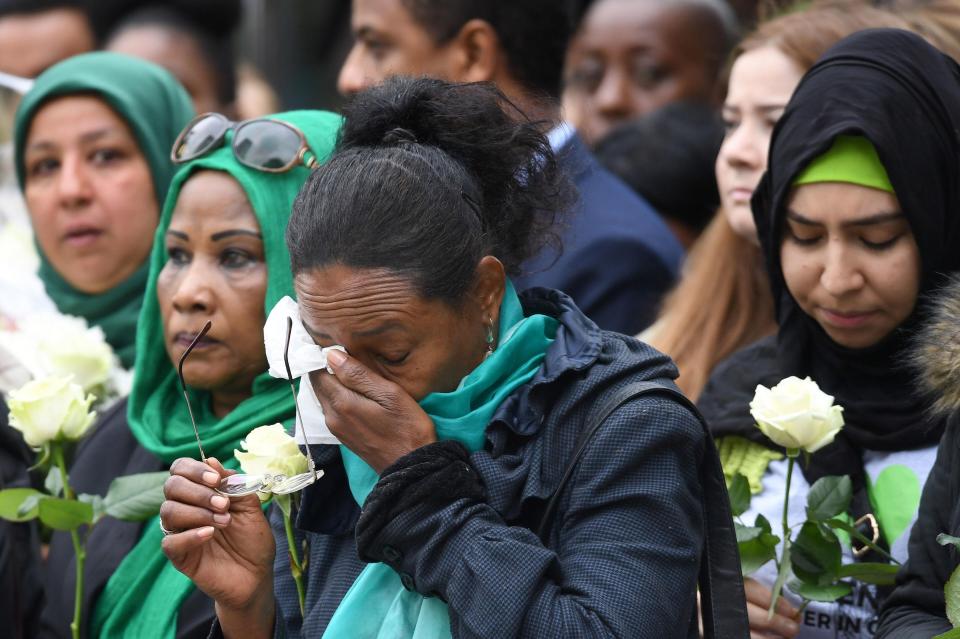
column 429, row 177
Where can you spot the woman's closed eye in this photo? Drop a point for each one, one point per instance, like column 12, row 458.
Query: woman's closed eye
column 730, row 124
column 878, row 244
column 394, row 359
column 803, row 236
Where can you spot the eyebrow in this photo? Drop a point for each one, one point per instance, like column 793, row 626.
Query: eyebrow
column 86, row 138
column 391, row 325
column 773, row 106
column 216, row 237
column 876, row 218
column 222, row 235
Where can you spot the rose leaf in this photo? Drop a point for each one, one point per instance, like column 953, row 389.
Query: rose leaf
column 829, row 497
column 829, row 592
column 815, row 555
column 951, row 595
column 13, row 499
column 870, row 572
column 739, row 495
column 135, row 497
column 65, row 514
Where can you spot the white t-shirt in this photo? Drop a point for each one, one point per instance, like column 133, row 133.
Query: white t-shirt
column 895, row 483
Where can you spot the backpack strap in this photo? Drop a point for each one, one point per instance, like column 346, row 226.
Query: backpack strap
column 722, row 601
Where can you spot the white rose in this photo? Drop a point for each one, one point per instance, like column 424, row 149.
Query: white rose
column 67, row 346
column 50, row 408
column 271, row 451
column 796, row 414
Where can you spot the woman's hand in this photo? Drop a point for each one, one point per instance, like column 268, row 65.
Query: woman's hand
column 224, row 546
column 371, row 416
column 784, row 622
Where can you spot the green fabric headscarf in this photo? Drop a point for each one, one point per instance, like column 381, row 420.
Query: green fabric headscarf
column 377, row 605
column 155, row 107
column 851, row 159
column 143, row 597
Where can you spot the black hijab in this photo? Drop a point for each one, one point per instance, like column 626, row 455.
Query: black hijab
column 903, row 95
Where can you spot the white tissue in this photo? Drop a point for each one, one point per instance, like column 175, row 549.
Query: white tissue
column 304, row 357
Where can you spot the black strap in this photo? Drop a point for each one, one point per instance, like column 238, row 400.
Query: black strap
column 723, row 605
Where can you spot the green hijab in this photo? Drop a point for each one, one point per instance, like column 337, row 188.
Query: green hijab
column 143, row 597
column 155, row 107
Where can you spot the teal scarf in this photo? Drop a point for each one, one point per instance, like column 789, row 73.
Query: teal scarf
column 377, row 605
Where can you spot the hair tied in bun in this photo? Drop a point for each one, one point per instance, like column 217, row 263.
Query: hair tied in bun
column 399, row 135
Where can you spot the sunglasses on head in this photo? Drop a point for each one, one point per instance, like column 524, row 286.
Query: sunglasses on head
column 266, row 145
column 243, row 484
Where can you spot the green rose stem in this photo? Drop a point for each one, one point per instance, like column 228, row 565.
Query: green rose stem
column 296, row 566
column 783, row 566
column 78, row 549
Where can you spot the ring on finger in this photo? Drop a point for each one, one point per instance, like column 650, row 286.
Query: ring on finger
column 165, row 530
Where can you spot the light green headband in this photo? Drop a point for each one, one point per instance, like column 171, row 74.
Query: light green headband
column 851, row 159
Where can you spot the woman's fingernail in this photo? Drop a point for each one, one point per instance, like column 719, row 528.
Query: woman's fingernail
column 205, row 533
column 218, row 501
column 222, row 518
column 792, row 627
column 337, row 358
column 211, row 478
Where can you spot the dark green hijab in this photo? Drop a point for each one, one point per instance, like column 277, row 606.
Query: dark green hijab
column 155, row 107
column 144, row 594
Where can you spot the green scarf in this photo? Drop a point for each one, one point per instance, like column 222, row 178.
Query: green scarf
column 143, row 597
column 155, row 107
column 377, row 605
column 851, row 159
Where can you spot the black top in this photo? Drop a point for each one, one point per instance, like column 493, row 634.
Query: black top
column 627, row 540
column 107, row 453
column 21, row 590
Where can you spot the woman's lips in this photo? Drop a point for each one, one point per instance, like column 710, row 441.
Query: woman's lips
column 846, row 319
column 183, row 339
column 81, row 237
column 741, row 195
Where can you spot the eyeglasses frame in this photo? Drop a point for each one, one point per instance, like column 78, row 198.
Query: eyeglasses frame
column 300, row 157
column 277, row 484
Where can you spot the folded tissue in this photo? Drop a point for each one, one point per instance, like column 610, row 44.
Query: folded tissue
column 304, row 357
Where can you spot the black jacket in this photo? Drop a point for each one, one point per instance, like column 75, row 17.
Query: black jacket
column 916, row 608
column 109, row 452
column 21, row 590
column 622, row 556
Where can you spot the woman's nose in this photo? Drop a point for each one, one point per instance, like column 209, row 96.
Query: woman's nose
column 841, row 274
column 194, row 293
column 741, row 149
column 73, row 183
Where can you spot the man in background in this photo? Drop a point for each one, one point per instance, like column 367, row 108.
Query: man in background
column 631, row 57
column 618, row 257
column 35, row 34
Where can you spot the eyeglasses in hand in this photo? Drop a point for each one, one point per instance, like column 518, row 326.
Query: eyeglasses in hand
column 243, row 484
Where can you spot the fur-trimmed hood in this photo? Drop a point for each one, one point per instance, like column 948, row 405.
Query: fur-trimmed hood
column 937, row 352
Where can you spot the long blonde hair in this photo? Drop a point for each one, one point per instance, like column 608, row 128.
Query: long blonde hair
column 723, row 300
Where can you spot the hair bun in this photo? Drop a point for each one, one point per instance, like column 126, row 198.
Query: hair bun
column 399, row 135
